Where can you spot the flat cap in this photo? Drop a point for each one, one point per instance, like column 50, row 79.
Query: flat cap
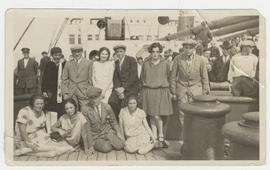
column 93, row 92
column 119, row 46
column 189, row 42
column 25, row 49
column 55, row 50
column 44, row 52
column 76, row 47
column 248, row 43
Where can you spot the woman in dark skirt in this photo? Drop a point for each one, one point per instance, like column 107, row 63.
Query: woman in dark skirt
column 51, row 82
column 156, row 94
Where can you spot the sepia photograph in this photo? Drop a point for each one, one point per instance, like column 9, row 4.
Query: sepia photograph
column 135, row 87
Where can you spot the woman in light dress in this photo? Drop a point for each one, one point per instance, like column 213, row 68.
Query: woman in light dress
column 103, row 73
column 71, row 126
column 135, row 129
column 31, row 137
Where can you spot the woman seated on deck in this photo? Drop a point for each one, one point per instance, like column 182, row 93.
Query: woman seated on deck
column 31, row 137
column 134, row 126
column 71, row 125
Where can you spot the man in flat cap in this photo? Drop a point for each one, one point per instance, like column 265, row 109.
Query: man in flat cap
column 77, row 76
column 125, row 79
column 103, row 131
column 51, row 82
column 242, row 70
column 27, row 72
column 189, row 77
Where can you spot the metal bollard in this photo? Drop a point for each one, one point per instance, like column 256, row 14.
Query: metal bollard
column 203, row 122
column 244, row 137
column 239, row 105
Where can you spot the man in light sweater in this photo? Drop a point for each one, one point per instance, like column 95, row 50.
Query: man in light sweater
column 242, row 70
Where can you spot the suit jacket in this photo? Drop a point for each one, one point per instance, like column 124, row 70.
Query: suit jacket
column 27, row 76
column 99, row 127
column 193, row 78
column 76, row 78
column 127, row 77
column 43, row 62
column 220, row 70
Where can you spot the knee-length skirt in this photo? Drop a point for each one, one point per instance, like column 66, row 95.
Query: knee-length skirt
column 157, row 101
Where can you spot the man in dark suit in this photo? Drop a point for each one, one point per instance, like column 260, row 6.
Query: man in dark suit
column 43, row 61
column 125, row 79
column 27, row 73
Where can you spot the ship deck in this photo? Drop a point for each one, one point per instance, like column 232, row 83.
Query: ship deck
column 171, row 153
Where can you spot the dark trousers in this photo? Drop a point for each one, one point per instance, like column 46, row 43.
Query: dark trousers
column 244, row 86
column 116, row 104
column 52, row 105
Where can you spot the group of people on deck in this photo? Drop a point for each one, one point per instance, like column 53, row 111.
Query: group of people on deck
column 104, row 105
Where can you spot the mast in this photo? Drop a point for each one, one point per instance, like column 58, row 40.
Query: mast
column 28, row 26
column 54, row 43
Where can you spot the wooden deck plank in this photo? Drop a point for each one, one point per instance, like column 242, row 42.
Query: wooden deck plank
column 16, row 158
column 111, row 156
column 131, row 156
column 53, row 158
column 82, row 156
column 120, row 155
column 73, row 156
column 140, row 157
column 150, row 156
column 159, row 154
column 32, row 158
column 101, row 156
column 42, row 159
column 93, row 157
column 173, row 152
column 21, row 158
column 64, row 157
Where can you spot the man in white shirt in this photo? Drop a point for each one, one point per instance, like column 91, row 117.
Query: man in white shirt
column 139, row 64
column 242, row 70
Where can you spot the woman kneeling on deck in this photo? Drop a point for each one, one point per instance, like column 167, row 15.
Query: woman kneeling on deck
column 133, row 125
column 31, row 137
column 72, row 125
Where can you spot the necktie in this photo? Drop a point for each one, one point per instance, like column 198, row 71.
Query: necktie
column 98, row 111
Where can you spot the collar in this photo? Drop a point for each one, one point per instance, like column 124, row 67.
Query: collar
column 191, row 57
column 121, row 61
column 78, row 61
